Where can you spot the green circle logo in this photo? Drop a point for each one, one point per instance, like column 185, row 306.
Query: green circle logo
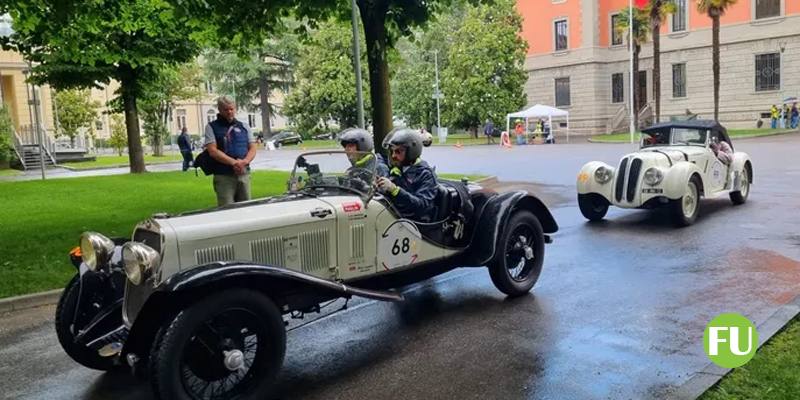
column 730, row 340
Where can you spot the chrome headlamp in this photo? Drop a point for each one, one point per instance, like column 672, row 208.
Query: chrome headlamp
column 96, row 250
column 139, row 261
column 653, row 176
column 602, row 175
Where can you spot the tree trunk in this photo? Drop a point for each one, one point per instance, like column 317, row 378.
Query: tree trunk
column 715, row 60
column 655, row 21
column 263, row 92
column 635, row 83
column 373, row 17
column 135, row 155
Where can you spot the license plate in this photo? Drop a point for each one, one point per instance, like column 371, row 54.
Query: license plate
column 649, row 191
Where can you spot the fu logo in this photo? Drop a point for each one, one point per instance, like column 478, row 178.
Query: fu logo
column 730, row 340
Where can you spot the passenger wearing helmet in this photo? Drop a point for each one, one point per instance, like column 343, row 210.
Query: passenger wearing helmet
column 411, row 185
column 359, row 146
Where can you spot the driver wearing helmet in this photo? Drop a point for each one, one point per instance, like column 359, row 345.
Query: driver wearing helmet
column 358, row 145
column 411, row 184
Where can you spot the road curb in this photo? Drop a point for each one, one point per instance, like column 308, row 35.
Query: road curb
column 704, row 380
column 73, row 169
column 26, row 301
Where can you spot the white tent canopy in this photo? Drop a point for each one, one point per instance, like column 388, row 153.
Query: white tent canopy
column 539, row 111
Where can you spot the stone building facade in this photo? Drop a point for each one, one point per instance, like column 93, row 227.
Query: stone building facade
column 576, row 61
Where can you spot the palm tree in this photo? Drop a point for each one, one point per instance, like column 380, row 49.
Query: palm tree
column 641, row 29
column 715, row 9
column 658, row 10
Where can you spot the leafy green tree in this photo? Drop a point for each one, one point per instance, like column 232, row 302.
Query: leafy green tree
column 262, row 70
column 484, row 77
column 85, row 43
column 641, row 31
column 7, row 153
column 384, row 21
column 324, row 88
column 715, row 9
column 76, row 110
column 118, row 139
column 160, row 94
column 658, row 11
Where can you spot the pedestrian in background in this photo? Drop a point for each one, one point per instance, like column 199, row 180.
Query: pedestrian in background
column 488, row 130
column 795, row 116
column 519, row 132
column 185, row 146
column 774, row 114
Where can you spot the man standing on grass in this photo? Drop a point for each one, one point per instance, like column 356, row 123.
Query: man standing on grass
column 231, row 144
column 185, row 145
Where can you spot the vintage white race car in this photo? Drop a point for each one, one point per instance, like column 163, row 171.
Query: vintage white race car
column 675, row 166
column 198, row 301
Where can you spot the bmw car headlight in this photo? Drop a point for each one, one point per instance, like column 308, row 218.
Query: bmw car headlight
column 139, row 261
column 96, row 250
column 602, row 175
column 653, row 176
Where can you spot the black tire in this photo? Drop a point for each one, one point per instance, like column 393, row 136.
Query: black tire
column 740, row 196
column 593, row 206
column 190, row 352
column 510, row 271
column 65, row 315
column 680, row 214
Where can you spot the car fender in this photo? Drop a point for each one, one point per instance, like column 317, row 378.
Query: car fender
column 741, row 162
column 492, row 217
column 587, row 184
column 676, row 178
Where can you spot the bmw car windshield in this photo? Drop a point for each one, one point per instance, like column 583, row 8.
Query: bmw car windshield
column 334, row 171
column 675, row 137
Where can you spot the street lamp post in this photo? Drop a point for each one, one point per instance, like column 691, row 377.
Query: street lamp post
column 436, row 93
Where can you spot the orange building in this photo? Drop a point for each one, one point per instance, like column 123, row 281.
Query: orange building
column 577, row 61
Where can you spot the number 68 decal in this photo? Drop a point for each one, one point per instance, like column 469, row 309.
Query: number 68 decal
column 401, row 247
column 398, row 245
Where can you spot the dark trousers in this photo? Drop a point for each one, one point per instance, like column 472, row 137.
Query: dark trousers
column 187, row 159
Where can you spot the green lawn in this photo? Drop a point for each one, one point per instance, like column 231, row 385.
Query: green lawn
column 774, row 372
column 734, row 133
column 41, row 220
column 117, row 161
column 9, row 172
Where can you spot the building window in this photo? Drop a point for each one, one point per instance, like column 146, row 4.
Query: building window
column 98, row 125
column 209, row 87
column 616, row 34
column 768, row 8
column 562, row 92
column 679, row 16
column 561, row 35
column 251, row 120
column 618, row 88
column 679, row 80
column 768, row 72
column 181, row 117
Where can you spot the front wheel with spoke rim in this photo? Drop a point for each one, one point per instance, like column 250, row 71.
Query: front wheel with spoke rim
column 519, row 255
column 686, row 208
column 740, row 196
column 228, row 346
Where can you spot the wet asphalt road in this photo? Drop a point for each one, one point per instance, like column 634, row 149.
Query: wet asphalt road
column 618, row 312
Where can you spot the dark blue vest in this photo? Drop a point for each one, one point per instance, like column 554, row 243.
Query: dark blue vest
column 232, row 137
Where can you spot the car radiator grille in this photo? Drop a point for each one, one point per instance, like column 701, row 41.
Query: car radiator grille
column 314, row 246
column 150, row 238
column 214, row 254
column 633, row 179
column 268, row 251
column 627, row 179
column 620, row 184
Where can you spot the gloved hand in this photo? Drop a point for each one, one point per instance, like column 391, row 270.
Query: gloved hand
column 386, row 186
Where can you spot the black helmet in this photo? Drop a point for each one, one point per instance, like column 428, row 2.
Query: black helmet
column 360, row 137
column 409, row 139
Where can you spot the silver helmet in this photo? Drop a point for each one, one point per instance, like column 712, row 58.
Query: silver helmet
column 361, row 137
column 408, row 138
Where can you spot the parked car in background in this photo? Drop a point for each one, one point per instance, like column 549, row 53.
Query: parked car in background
column 285, row 138
column 324, row 136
